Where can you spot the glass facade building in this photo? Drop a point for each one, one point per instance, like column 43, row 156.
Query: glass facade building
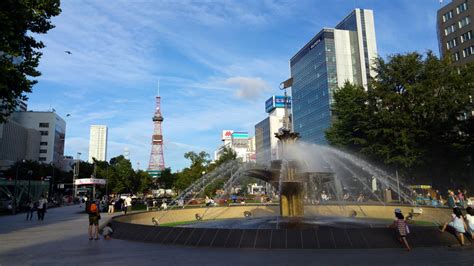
column 326, row 62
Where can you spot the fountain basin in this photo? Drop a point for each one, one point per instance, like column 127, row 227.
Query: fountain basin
column 331, row 227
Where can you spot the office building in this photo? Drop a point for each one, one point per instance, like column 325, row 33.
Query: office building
column 18, row 143
column 98, row 143
column 52, row 131
column 326, row 62
column 455, row 31
column 266, row 144
column 240, row 142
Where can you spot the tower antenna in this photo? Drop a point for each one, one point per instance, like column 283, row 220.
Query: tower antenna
column 158, row 90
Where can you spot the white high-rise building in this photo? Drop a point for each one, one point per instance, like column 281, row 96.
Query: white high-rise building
column 98, row 143
column 52, row 129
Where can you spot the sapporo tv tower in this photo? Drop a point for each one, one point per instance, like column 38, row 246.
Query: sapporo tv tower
column 157, row 160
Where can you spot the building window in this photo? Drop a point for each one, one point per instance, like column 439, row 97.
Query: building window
column 43, row 124
column 447, row 16
column 463, row 22
column 43, row 151
column 468, row 51
column 466, row 36
column 449, row 30
column 452, row 43
column 42, row 159
column 43, row 143
column 456, row 56
column 44, row 133
column 461, row 8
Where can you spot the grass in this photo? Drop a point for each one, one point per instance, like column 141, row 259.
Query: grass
column 179, row 223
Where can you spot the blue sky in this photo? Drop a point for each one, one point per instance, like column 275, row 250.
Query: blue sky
column 217, row 62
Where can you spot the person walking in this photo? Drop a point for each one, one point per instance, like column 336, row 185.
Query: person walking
column 401, row 227
column 111, row 206
column 41, row 209
column 94, row 216
column 30, row 209
column 128, row 204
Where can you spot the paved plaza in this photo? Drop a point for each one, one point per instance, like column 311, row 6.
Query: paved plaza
column 61, row 239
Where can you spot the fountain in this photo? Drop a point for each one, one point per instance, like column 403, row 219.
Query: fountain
column 300, row 174
column 287, row 177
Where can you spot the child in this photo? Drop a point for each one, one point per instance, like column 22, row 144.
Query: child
column 470, row 221
column 401, row 227
column 107, row 231
column 457, row 223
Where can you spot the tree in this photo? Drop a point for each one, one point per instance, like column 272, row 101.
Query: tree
column 166, row 179
column 199, row 164
column 410, row 117
column 146, row 181
column 122, row 178
column 19, row 50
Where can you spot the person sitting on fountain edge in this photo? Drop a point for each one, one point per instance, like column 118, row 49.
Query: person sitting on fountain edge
column 457, row 223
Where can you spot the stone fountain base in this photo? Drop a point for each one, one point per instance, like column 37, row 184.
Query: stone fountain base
column 332, row 231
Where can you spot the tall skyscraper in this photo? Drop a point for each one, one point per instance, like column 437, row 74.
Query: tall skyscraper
column 98, row 143
column 326, row 62
column 455, row 31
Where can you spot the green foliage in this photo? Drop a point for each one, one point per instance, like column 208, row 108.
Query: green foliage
column 199, row 166
column 37, row 171
column 228, row 154
column 19, row 51
column 409, row 118
column 166, row 179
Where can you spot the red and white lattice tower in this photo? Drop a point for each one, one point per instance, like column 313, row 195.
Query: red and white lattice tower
column 157, row 160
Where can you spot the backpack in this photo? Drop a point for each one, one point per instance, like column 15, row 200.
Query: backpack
column 93, row 208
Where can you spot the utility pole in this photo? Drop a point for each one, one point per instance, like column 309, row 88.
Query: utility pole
column 107, row 180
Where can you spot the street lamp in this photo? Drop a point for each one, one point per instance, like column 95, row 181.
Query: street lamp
column 15, row 190
column 51, row 181
column 30, row 173
column 107, row 180
column 76, row 174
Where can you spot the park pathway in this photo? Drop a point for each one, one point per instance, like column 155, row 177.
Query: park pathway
column 61, row 239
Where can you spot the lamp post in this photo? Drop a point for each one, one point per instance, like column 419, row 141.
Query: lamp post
column 51, row 181
column 107, row 180
column 15, row 189
column 30, row 173
column 76, row 175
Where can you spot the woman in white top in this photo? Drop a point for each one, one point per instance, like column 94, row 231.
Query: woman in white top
column 470, row 221
column 457, row 223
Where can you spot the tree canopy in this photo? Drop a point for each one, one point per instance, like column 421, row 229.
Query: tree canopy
column 413, row 116
column 19, row 50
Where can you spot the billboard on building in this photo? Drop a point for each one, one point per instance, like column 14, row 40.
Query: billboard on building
column 240, row 135
column 227, row 134
column 277, row 102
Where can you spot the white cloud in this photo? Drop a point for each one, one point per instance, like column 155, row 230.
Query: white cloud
column 248, row 88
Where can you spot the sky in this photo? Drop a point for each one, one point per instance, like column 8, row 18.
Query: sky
column 216, row 62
